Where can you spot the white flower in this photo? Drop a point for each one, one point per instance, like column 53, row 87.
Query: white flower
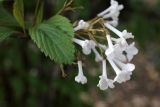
column 119, row 53
column 80, row 78
column 81, row 25
column 88, row 46
column 131, row 50
column 110, row 50
column 112, row 12
column 121, row 75
column 85, row 44
column 125, row 67
column 114, row 51
column 104, row 82
column 92, row 45
column 124, row 34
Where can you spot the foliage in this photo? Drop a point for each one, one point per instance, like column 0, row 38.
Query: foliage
column 27, row 77
column 51, row 37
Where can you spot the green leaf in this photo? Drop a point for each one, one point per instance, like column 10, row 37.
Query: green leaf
column 18, row 11
column 54, row 38
column 6, row 19
column 62, row 24
column 5, row 32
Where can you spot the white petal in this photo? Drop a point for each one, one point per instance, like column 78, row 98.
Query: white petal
column 86, row 51
column 109, row 53
column 110, row 83
column 103, row 85
column 81, row 25
column 129, row 57
column 86, row 47
column 80, row 78
column 123, row 66
column 129, row 67
column 127, row 35
column 132, row 49
column 119, row 78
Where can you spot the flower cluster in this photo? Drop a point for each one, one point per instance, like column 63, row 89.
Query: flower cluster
column 119, row 52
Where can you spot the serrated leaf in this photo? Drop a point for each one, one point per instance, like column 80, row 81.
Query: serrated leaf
column 18, row 11
column 5, row 32
column 63, row 24
column 53, row 37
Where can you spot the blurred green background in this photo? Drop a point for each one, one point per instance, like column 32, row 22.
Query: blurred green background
column 29, row 79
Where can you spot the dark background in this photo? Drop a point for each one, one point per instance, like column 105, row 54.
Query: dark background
column 29, row 79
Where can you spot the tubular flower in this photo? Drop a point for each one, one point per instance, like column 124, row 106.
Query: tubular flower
column 117, row 50
column 80, row 78
column 114, row 51
column 84, row 44
column 112, row 12
column 104, row 82
column 131, row 50
column 81, row 25
column 88, row 46
column 121, row 75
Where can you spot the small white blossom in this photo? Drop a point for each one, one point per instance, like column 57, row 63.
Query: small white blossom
column 121, row 75
column 104, row 82
column 81, row 25
column 114, row 51
column 119, row 53
column 80, row 78
column 125, row 67
column 124, row 34
column 112, row 12
column 114, row 54
column 131, row 50
column 92, row 46
column 86, row 48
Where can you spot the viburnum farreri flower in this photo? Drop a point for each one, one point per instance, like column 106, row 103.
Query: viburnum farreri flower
column 118, row 51
column 112, row 12
column 80, row 78
column 104, row 82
